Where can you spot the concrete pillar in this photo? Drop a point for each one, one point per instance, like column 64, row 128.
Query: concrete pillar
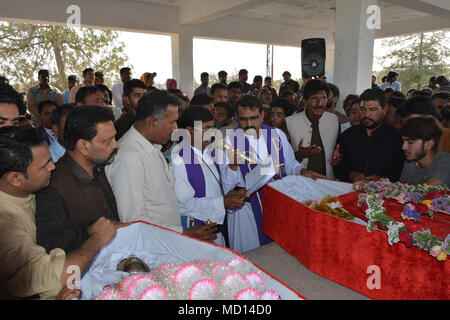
column 329, row 65
column 183, row 62
column 354, row 42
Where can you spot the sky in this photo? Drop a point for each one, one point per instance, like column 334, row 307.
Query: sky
column 152, row 53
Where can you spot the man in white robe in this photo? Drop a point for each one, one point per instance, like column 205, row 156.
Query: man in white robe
column 198, row 181
column 245, row 225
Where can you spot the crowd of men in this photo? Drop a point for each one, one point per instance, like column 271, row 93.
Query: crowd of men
column 76, row 166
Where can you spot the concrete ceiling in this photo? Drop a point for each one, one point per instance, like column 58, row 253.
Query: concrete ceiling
column 320, row 14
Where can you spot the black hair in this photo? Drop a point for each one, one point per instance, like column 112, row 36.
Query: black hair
column 267, row 78
column 15, row 148
column 216, row 86
column 284, row 104
column 249, row 101
column 441, row 80
column 103, row 87
column 423, row 93
column 395, row 102
column 432, row 79
column 421, row 105
column 43, row 103
column 154, row 104
column 59, row 112
column 9, row 95
column 99, row 74
column 122, row 70
column 374, row 94
column 422, row 128
column 242, row 71
column 286, row 73
column 85, row 71
column 72, row 78
column 222, row 73
column 201, row 99
column 392, row 74
column 227, row 107
column 83, row 92
column 81, row 122
column 257, row 78
column 334, row 89
column 204, row 74
column 315, row 86
column 398, row 94
column 131, row 84
column 441, row 95
column 235, row 84
column 174, row 91
column 389, row 90
column 191, row 115
column 42, row 71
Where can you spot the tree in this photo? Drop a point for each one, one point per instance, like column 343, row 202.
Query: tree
column 26, row 48
column 416, row 58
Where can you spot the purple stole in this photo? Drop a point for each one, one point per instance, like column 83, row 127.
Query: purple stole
column 196, row 177
column 245, row 168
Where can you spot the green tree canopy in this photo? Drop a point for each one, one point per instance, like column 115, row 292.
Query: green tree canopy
column 416, row 58
column 26, row 48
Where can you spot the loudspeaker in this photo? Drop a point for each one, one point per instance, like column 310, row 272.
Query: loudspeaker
column 313, row 57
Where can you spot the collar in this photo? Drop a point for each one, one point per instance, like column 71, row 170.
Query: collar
column 78, row 171
column 143, row 141
column 17, row 200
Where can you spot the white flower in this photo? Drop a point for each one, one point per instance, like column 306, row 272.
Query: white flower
column 393, row 230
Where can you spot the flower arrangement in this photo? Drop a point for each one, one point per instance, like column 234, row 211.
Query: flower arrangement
column 201, row 280
column 418, row 200
column 330, row 205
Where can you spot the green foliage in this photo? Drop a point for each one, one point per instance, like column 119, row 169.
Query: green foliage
column 26, row 48
column 416, row 58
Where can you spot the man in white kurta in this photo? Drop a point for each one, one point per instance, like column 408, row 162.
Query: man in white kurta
column 142, row 183
column 141, row 179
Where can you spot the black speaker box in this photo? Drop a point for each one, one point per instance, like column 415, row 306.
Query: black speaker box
column 313, row 57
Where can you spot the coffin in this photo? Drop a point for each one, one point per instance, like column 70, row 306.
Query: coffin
column 344, row 251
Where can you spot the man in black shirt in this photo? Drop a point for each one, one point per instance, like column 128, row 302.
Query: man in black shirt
column 79, row 193
column 371, row 150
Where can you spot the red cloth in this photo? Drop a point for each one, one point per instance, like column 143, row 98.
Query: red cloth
column 344, row 251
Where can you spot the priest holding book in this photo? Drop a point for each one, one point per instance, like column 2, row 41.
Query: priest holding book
column 198, row 177
column 253, row 142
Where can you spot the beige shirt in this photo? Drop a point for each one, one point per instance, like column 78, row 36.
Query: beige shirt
column 143, row 183
column 26, row 269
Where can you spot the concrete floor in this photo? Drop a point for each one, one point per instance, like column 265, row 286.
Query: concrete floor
column 275, row 260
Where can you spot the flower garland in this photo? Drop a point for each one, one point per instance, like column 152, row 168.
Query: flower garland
column 418, row 200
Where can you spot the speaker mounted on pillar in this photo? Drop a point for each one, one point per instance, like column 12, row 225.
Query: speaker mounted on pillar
column 313, row 57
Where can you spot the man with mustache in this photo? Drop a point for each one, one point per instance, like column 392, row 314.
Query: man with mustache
column 258, row 141
column 371, row 150
column 79, row 193
column 314, row 131
column 424, row 162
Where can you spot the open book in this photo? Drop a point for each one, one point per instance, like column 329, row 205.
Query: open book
column 260, row 176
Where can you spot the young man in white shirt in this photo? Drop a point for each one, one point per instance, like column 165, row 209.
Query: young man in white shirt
column 140, row 177
column 117, row 89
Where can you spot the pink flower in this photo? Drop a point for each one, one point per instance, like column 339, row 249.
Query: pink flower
column 435, row 251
